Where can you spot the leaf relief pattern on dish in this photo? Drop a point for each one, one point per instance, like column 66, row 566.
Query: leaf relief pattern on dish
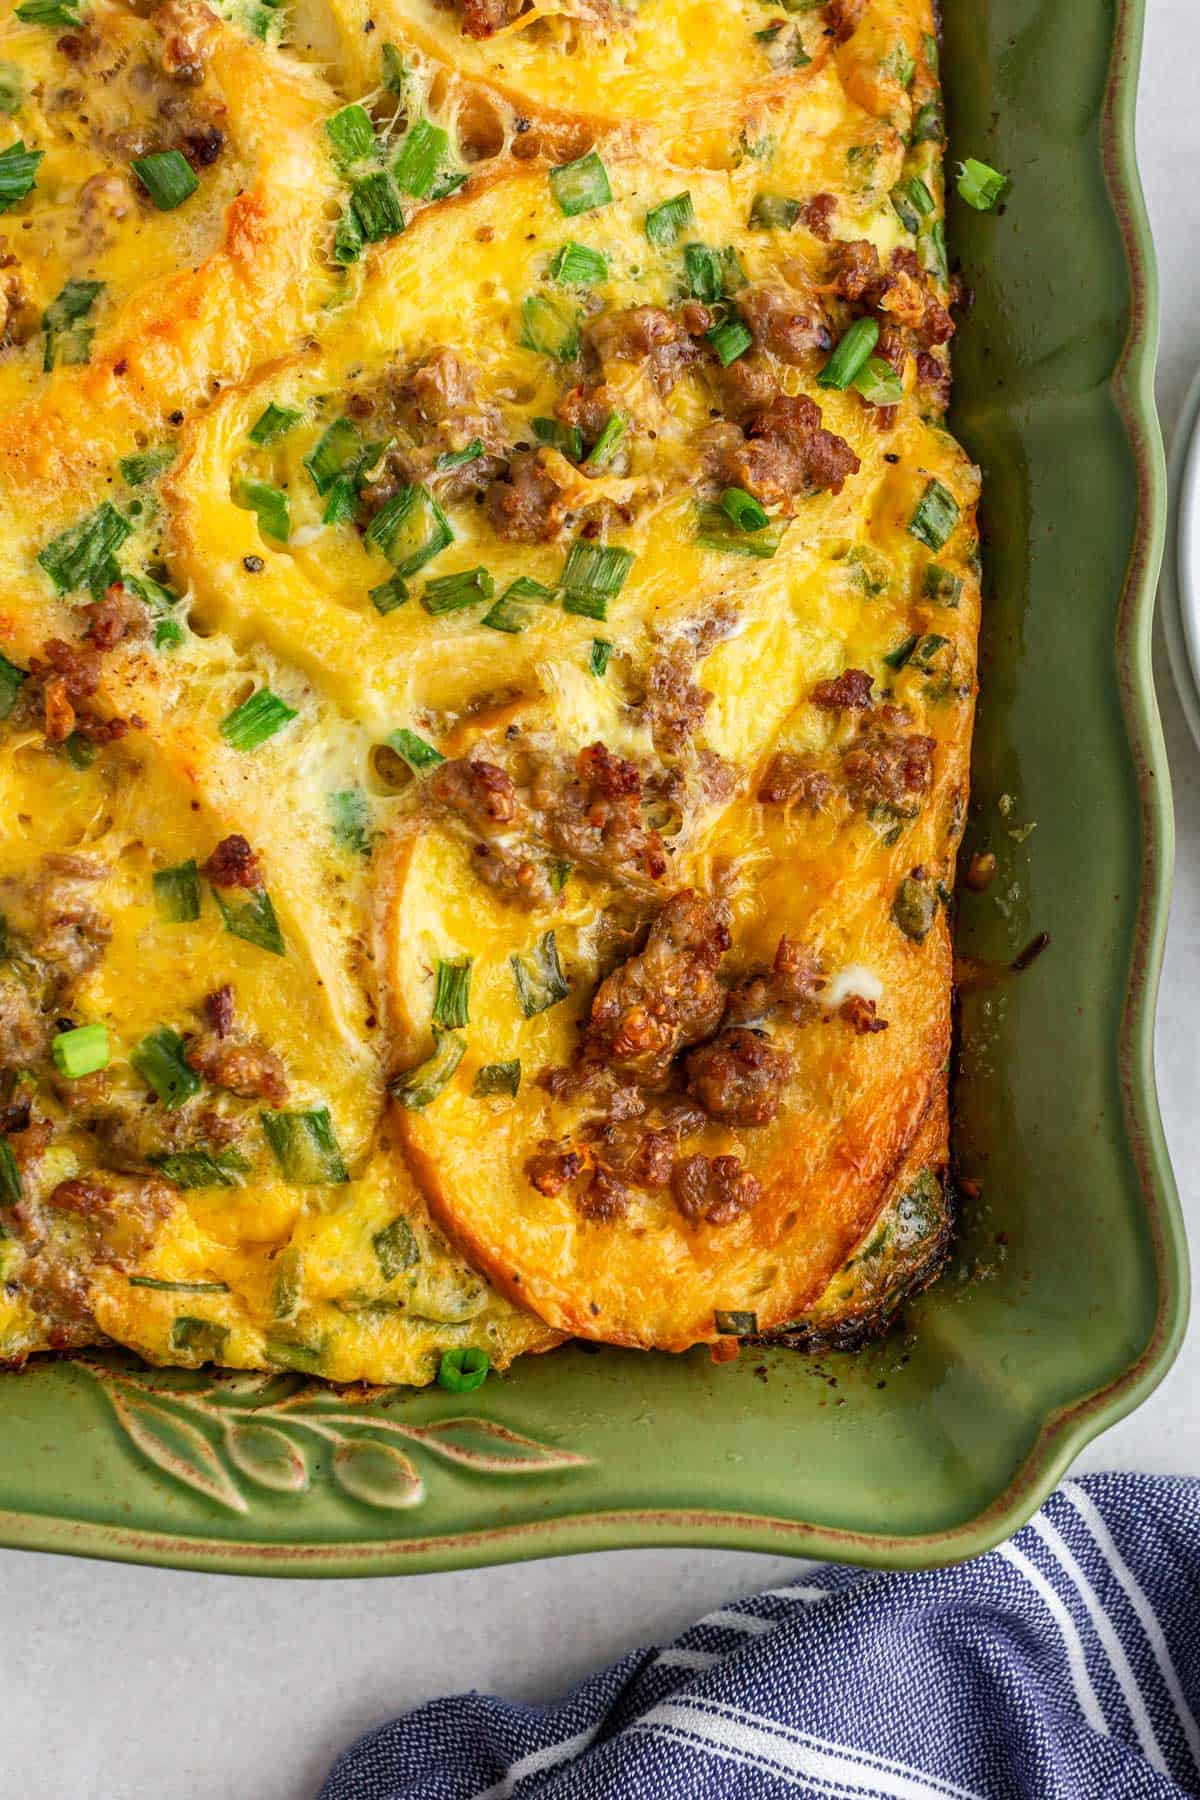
column 231, row 1434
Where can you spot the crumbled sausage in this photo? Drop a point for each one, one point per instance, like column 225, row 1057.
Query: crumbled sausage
column 817, row 215
column 596, row 817
column 482, row 794
column 785, row 452
column 24, row 1031
column 89, row 1199
column 218, row 1010
column 793, row 779
column 606, row 1197
column 843, row 17
column 525, row 505
column 737, row 1077
column 747, row 386
column 850, row 690
column 790, row 985
column 483, row 18
column 717, row 1191
column 888, row 767
column 246, row 1068
column 861, row 1014
column 71, row 936
column 665, row 997
column 120, row 614
column 553, row 1167
column 233, row 864
column 643, row 334
column 787, row 324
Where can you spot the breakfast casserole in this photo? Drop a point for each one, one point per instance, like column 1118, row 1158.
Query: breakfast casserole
column 489, row 625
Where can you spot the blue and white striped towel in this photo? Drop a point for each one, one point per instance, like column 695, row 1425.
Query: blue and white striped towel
column 1065, row 1665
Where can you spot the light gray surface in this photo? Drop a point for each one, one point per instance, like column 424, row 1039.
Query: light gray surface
column 132, row 1684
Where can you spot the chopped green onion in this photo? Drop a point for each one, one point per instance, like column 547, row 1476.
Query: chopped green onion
column 80, row 751
column 904, row 65
column 462, row 1370
column 422, row 153
column 347, row 239
column 389, row 595
column 746, row 512
column 167, row 177
column 306, row 1147
column 202, row 1338
column 665, row 223
column 18, row 172
column 352, row 136
column 160, row 1062
column 852, row 352
column 736, row 1324
column 458, row 459
column 879, row 383
column 560, row 874
column 942, row 585
column 598, row 657
column 268, row 504
column 337, row 451
column 274, row 423
column 717, row 531
column 913, row 202
column 75, row 556
column 11, row 681
column 593, row 575
column 177, row 893
column 712, row 275
column 396, row 1249
column 348, row 820
column 896, row 659
column 147, row 465
column 539, row 977
column 12, row 88
column 497, row 1078
column 773, row 212
column 928, row 652
column 549, row 327
column 68, row 339
column 914, row 909
column 81, row 1051
column 581, row 186
column 287, row 1287
column 341, row 503
column 418, row 1087
column 10, row 1174
column 936, row 516
column 566, row 438
column 932, row 251
column 979, row 184
column 450, row 593
column 928, row 125
column 730, row 339
column 511, row 611
column 49, row 12
column 377, row 207
column 929, row 45
column 414, row 750
column 410, row 529
column 178, row 1287
column 285, row 1354
column 256, row 720
column 392, row 70
column 201, row 1167
column 452, row 997
column 575, row 265
column 252, row 920
column 607, row 444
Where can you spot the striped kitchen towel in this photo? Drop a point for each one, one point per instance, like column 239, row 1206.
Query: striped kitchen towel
column 1065, row 1665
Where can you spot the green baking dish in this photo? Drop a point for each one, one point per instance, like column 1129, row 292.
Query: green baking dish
column 1066, row 1299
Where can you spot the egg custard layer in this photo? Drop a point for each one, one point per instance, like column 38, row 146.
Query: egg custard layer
column 488, row 622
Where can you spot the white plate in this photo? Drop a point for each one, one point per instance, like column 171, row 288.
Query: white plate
column 1180, row 589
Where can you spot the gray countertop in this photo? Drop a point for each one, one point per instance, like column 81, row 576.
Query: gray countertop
column 119, row 1683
